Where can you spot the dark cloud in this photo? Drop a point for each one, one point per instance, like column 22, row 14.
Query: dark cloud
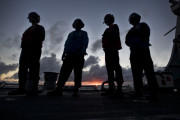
column 96, row 45
column 14, row 56
column 91, row 61
column 14, row 76
column 10, row 47
column 54, row 38
column 9, row 42
column 95, row 72
column 47, row 64
column 7, row 68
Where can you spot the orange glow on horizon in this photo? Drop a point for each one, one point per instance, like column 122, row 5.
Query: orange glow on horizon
column 91, row 82
column 71, row 83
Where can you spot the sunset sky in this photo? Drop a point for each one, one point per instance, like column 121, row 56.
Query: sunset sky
column 57, row 17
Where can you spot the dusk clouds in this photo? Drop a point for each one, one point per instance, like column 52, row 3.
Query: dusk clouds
column 54, row 38
column 96, row 45
column 91, row 61
column 5, row 68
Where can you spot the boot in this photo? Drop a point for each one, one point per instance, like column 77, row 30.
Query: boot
column 75, row 94
column 118, row 93
column 17, row 92
column 33, row 92
column 56, row 92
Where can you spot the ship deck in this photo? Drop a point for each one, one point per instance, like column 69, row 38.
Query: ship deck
column 89, row 106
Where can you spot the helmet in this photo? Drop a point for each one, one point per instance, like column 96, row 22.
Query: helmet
column 134, row 18
column 78, row 24
column 35, row 16
column 109, row 18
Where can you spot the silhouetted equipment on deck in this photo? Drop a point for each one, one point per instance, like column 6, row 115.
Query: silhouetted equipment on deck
column 164, row 79
column 103, row 88
column 50, row 80
column 170, row 31
column 174, row 62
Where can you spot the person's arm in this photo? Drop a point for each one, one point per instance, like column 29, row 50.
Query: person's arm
column 40, row 33
column 127, row 38
column 85, row 43
column 67, row 45
column 63, row 56
column 113, row 32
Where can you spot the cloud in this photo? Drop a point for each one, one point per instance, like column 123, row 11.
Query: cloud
column 9, row 43
column 53, row 64
column 14, row 76
column 10, row 47
column 54, row 38
column 7, row 68
column 96, row 46
column 95, row 72
column 99, row 73
column 91, row 61
column 14, row 57
column 47, row 64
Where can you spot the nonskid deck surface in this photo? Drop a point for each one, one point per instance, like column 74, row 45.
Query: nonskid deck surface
column 89, row 106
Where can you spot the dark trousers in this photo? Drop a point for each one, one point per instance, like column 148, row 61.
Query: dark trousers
column 29, row 66
column 71, row 62
column 141, row 60
column 112, row 65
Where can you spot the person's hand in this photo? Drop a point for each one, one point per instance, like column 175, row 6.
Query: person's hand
column 85, row 53
column 63, row 56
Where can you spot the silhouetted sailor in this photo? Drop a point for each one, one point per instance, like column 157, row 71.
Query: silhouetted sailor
column 73, row 58
column 111, row 44
column 137, row 39
column 29, row 65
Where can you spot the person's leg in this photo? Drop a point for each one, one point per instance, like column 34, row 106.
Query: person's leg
column 137, row 71
column 22, row 74
column 34, row 68
column 78, row 66
column 65, row 72
column 149, row 71
column 110, row 70
column 118, row 73
column 23, row 69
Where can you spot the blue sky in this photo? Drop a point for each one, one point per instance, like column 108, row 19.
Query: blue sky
column 57, row 17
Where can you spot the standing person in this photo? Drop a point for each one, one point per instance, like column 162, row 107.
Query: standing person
column 111, row 44
column 73, row 58
column 138, row 41
column 29, row 65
